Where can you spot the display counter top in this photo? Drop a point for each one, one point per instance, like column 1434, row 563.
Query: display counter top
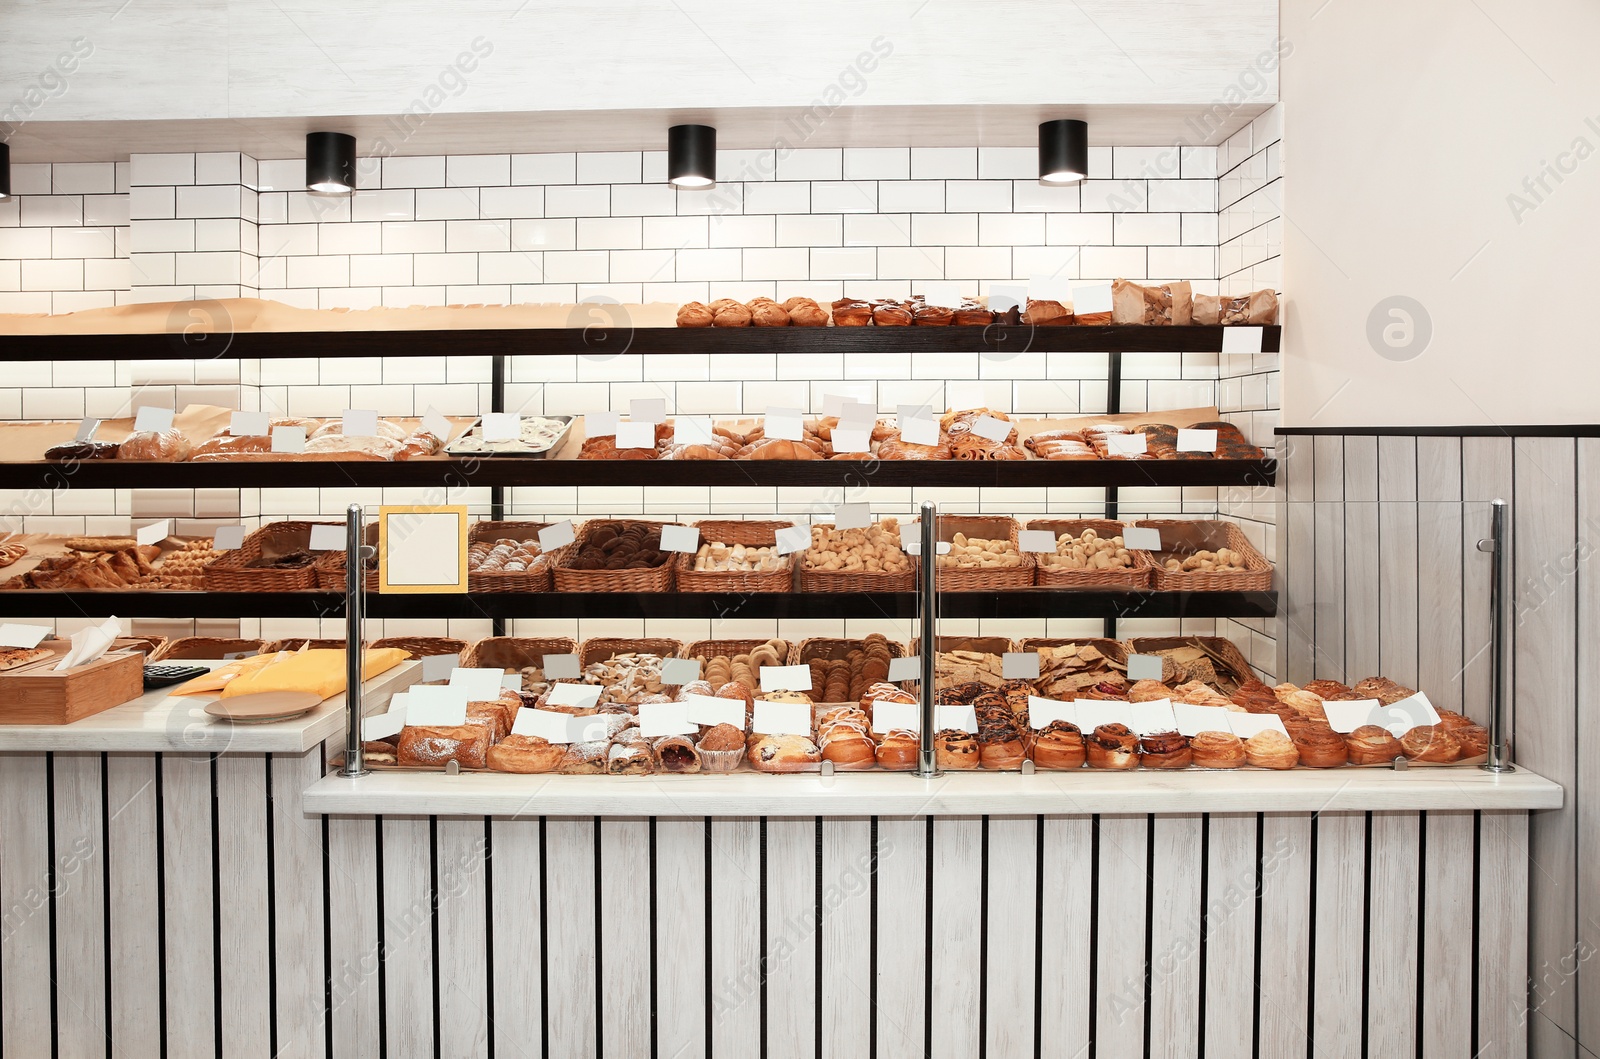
column 158, row 722
column 953, row 794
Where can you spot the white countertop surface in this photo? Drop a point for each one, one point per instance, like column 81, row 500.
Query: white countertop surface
column 159, row 722
column 901, row 794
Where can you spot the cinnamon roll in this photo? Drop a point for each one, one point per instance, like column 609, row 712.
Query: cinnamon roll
column 1270, row 750
column 1372, row 744
column 1430, row 742
column 955, row 749
column 851, row 312
column 1216, row 750
column 1320, row 748
column 1113, row 746
column 1059, row 745
column 1165, row 750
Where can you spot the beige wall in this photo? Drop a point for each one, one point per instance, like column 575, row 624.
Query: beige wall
column 1409, row 125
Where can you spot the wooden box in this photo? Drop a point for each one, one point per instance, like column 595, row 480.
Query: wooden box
column 37, row 694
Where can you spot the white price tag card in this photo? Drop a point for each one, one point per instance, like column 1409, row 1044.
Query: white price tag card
column 1142, row 538
column 600, row 424
column 326, row 538
column 1050, row 288
column 785, row 678
column 1410, row 712
column 1130, row 444
column 1241, row 339
column 961, row 718
column 851, row 439
column 693, row 430
column 154, row 533
column 680, row 539
column 785, row 423
column 87, row 428
column 435, row 423
column 665, row 718
column 249, row 424
column 1092, row 298
column 650, row 410
column 548, row 725
column 556, row 535
column 436, row 706
column 1245, row 725
column 382, row 726
column 573, row 694
column 481, row 685
column 1004, row 296
column 889, row 716
column 995, row 430
column 852, row 516
column 1190, row 440
column 1041, row 541
column 905, row 668
column 511, row 682
column 833, row 405
column 942, row 293
column 858, row 413
column 1092, row 713
column 636, row 436
column 228, row 538
column 917, row 425
column 781, row 718
column 439, row 667
column 1041, row 712
column 1350, row 714
column 708, row 710
column 24, row 636
column 1020, row 665
column 1144, row 667
column 561, row 667
column 588, row 729
column 152, row 418
column 1150, row 718
column 289, row 439
column 680, row 671
column 1192, row 720
column 501, row 426
column 359, row 422
column 793, row 539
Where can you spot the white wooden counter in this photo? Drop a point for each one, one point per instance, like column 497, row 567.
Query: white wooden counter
column 901, row 794
column 160, row 722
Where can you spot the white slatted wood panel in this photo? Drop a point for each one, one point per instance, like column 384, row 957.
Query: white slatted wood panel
column 462, row 904
column 297, row 879
column 1439, row 576
column 1328, row 611
column 570, row 946
column 902, row 888
column 1175, row 943
column 1446, row 942
column 1545, row 511
column 624, row 892
column 1285, row 932
column 1588, row 748
column 681, row 956
column 736, row 936
column 1397, row 560
column 408, row 913
column 245, row 884
column 80, row 905
column 1362, row 577
column 1341, row 884
column 1064, row 932
column 1503, row 970
column 353, row 946
column 1011, row 918
column 1230, row 934
column 1485, row 476
column 186, row 874
column 518, row 973
column 792, row 926
column 134, row 862
column 1392, row 930
column 25, row 896
column 956, row 957
column 846, row 936
column 1297, row 568
column 1122, row 884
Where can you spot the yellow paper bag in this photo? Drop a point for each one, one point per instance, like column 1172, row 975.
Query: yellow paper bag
column 222, row 676
column 318, row 671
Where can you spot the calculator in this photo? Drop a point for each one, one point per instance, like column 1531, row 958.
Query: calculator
column 164, row 676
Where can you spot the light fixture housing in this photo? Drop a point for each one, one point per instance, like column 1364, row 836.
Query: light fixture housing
column 330, row 163
column 692, row 157
column 1063, row 151
column 5, row 172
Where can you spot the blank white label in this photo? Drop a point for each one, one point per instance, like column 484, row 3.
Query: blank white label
column 600, row 424
column 665, row 718
column 1049, row 288
column 1142, row 538
column 1151, row 718
column 557, row 535
column 781, row 718
column 793, row 539
column 1020, row 665
column 709, row 710
column 1350, row 714
column 995, row 430
column 1245, row 725
column 650, row 410
column 693, row 430
column 1041, row 712
column 289, row 439
column 942, row 293
column 438, row 667
column 546, row 724
column 917, row 425
column 680, row 539
column 359, row 422
column 25, row 636
column 1410, row 712
column 636, row 436
column 785, row 678
column 1041, row 541
column 249, row 424
column 1192, row 720
column 1241, row 339
column 561, row 667
column 1004, row 296
column 679, row 671
column 905, row 668
column 154, row 533
column 481, row 685
column 436, row 424
column 858, row 413
column 1127, row 444
column 1190, row 440
column 327, row 538
column 86, row 430
column 573, row 695
column 851, row 439
column 153, row 418
column 1092, row 713
column 1144, row 667
column 1093, row 298
column 511, row 681
column 961, row 718
column 589, row 728
column 382, row 726
column 436, row 706
column 502, row 426
column 888, row 716
column 228, row 538
column 785, row 423
column 427, row 552
column 852, row 516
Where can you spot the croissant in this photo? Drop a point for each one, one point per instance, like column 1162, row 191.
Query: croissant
column 783, row 449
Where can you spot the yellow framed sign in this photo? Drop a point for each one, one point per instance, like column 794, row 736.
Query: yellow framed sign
column 422, row 549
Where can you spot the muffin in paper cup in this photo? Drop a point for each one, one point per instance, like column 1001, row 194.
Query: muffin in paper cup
column 720, row 760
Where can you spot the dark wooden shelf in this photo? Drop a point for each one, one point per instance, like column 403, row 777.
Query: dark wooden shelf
column 609, row 341
column 1022, row 603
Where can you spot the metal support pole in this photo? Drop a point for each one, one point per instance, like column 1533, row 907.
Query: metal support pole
column 928, row 590
column 355, row 554
column 1501, row 597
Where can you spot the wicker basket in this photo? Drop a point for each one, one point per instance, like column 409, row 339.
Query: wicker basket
column 1116, row 650
column 148, row 644
column 227, row 572
column 207, row 647
column 535, row 579
column 295, row 643
column 709, row 649
column 1181, row 537
column 515, row 652
column 850, row 580
column 1138, row 576
column 735, row 531
column 330, row 565
column 654, row 579
column 828, row 648
column 602, row 648
column 423, row 646
column 989, row 645
column 1225, row 653
column 987, row 527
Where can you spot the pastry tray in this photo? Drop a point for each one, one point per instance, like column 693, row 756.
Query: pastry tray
column 455, row 447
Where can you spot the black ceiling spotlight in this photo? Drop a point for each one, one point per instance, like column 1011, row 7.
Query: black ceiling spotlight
column 1063, row 151
column 5, row 172
column 330, row 163
column 692, row 157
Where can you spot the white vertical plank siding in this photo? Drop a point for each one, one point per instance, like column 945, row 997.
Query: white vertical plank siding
column 1341, row 886
column 353, row 941
column 1397, row 560
column 462, row 903
column 1010, row 919
column 1328, row 612
column 736, row 936
column 518, row 972
column 190, row 964
column 792, row 935
column 1296, row 560
column 1440, row 603
column 297, row 881
column 133, row 860
column 25, row 897
column 570, row 942
column 408, row 914
column 1485, row 476
column 624, row 894
column 681, row 955
column 846, row 936
column 1588, row 748
column 80, row 910
column 1230, row 924
column 902, row 895
column 1362, row 577
column 1507, row 1007
column 1447, row 922
column 955, row 958
column 1175, row 928
column 245, row 883
column 1065, row 958
column 1122, row 884
column 1392, row 930
column 1285, row 934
